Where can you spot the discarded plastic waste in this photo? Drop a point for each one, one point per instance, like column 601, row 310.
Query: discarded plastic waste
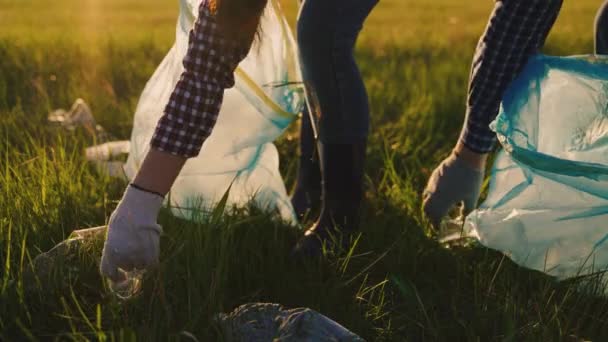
column 80, row 242
column 102, row 155
column 130, row 286
column 547, row 205
column 271, row 322
column 125, row 289
column 55, row 265
column 111, row 168
column 80, row 115
column 451, row 230
column 267, row 97
column 107, row 150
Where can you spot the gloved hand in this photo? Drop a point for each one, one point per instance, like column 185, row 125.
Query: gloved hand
column 452, row 182
column 132, row 240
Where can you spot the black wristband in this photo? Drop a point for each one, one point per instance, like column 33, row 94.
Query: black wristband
column 146, row 190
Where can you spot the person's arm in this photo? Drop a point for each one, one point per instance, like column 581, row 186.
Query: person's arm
column 158, row 172
column 473, row 159
column 132, row 241
column 515, row 31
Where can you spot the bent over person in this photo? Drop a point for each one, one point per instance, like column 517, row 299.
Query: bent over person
column 516, row 30
column 327, row 33
column 221, row 38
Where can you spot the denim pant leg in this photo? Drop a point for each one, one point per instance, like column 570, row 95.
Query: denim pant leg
column 601, row 30
column 327, row 32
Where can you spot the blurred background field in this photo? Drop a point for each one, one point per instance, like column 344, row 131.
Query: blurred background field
column 394, row 22
column 398, row 285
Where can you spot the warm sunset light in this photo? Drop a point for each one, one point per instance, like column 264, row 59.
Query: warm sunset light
column 303, row 170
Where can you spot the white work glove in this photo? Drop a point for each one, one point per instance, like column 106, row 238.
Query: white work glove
column 452, row 182
column 132, row 240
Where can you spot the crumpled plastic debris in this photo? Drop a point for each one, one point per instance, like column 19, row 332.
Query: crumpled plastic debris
column 48, row 266
column 547, row 204
column 104, row 157
column 271, row 322
column 108, row 156
column 51, row 266
column 79, row 115
column 108, row 150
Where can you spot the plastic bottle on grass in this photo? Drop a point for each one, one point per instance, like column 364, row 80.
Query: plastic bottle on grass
column 130, row 286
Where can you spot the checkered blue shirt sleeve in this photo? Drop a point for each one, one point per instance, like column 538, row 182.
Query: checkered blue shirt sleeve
column 194, row 105
column 517, row 29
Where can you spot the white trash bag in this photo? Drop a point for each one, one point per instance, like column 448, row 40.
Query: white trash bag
column 547, row 205
column 267, row 97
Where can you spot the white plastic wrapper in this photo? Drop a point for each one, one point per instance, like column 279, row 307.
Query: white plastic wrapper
column 267, row 97
column 547, row 206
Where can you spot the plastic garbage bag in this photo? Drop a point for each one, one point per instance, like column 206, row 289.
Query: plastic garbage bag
column 547, row 205
column 267, row 97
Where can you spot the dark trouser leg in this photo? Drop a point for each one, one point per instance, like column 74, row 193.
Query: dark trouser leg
column 327, row 32
column 601, row 30
column 307, row 191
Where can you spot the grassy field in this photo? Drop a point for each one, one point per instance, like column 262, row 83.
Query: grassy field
column 399, row 285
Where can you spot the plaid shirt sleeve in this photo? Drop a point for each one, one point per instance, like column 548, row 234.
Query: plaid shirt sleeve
column 194, row 105
column 517, row 29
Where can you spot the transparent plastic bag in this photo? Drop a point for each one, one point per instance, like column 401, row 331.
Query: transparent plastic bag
column 62, row 262
column 547, row 205
column 267, row 97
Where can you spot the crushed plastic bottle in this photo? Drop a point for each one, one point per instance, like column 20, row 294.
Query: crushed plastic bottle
column 130, row 286
column 79, row 116
column 103, row 155
column 48, row 265
column 451, row 230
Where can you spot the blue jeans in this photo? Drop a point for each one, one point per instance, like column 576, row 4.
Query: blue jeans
column 601, row 30
column 327, row 32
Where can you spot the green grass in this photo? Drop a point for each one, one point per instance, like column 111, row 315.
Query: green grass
column 398, row 285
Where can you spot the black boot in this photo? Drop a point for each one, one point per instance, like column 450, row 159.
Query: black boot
column 307, row 191
column 342, row 169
